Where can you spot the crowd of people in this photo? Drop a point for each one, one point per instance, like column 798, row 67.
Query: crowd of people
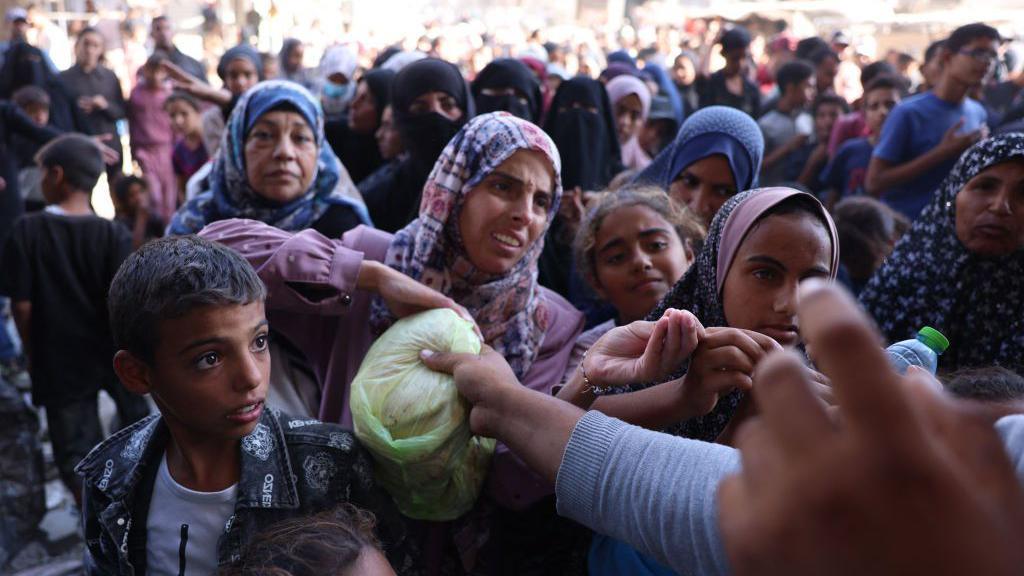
column 649, row 250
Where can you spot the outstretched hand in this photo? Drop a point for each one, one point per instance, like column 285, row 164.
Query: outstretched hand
column 643, row 351
column 905, row 480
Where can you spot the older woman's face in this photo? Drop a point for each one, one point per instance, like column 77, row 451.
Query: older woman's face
column 280, row 156
column 507, row 211
column 990, row 210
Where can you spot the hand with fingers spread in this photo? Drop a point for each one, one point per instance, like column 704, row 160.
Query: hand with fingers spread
column 186, row 82
column 643, row 351
column 905, row 481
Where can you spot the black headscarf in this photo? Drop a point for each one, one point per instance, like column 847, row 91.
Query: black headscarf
column 508, row 73
column 359, row 152
column 586, row 139
column 395, row 203
column 589, row 146
column 932, row 279
column 25, row 65
column 240, row 52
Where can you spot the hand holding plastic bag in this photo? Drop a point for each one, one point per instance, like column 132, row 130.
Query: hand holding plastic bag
column 413, row 421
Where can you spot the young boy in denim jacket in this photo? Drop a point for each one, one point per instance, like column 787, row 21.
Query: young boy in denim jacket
column 183, row 491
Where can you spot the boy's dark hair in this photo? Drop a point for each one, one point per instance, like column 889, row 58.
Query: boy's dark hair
column 988, row 384
column 124, row 186
column 181, row 96
column 78, row 156
column 875, row 70
column 90, row 30
column 29, row 96
column 327, row 543
column 933, row 49
column 866, row 228
column 735, row 38
column 809, row 45
column 169, row 277
column 968, row 33
column 827, row 99
column 155, row 59
column 821, row 54
column 793, row 72
column 883, row 82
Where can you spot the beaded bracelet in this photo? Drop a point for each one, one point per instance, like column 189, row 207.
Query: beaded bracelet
column 588, row 387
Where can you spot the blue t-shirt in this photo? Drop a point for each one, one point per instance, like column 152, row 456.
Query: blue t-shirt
column 914, row 127
column 847, row 169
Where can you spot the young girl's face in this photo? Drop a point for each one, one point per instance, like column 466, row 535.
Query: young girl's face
column 704, row 186
column 638, row 256
column 779, row 252
column 241, row 74
column 184, row 118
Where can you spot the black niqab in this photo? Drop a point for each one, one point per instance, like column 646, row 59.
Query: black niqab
column 506, row 73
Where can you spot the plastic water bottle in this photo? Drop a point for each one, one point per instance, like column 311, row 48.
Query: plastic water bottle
column 922, row 351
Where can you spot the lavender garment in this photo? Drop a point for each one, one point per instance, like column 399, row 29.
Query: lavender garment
column 334, row 333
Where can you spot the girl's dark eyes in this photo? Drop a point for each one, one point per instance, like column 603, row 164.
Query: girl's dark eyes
column 542, row 200
column 725, row 192
column 690, row 181
column 658, row 246
column 208, row 360
column 765, row 274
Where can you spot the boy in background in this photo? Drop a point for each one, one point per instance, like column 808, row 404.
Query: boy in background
column 788, row 126
column 152, row 141
column 131, row 203
column 844, row 175
column 57, row 267
column 35, row 103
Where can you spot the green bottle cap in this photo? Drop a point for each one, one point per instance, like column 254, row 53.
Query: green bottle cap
column 933, row 339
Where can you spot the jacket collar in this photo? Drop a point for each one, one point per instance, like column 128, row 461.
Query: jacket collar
column 266, row 481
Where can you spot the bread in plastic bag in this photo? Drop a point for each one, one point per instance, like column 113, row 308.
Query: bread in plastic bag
column 413, row 421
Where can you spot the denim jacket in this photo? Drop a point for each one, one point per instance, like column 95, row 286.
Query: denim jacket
column 290, row 467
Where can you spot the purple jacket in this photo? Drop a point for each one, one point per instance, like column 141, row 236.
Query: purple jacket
column 334, row 331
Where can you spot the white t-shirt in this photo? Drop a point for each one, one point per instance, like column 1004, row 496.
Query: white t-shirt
column 185, row 520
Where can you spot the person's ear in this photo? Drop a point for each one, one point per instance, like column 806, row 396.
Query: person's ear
column 56, row 175
column 688, row 250
column 133, row 372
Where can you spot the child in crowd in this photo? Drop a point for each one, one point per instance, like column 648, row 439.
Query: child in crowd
column 806, row 163
column 35, row 103
column 788, row 126
column 189, row 153
column 844, row 174
column 868, row 231
column 152, row 140
column 993, row 384
column 339, row 542
column 185, row 490
column 632, row 246
column 131, row 202
column 57, row 267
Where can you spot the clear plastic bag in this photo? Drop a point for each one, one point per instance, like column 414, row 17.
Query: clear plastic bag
column 413, row 421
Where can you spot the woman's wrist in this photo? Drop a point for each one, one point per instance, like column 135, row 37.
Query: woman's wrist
column 369, row 275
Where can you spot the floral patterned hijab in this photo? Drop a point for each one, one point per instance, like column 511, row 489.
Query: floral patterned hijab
column 931, row 279
column 509, row 309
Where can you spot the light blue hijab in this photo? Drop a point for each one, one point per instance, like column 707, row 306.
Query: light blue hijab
column 227, row 193
column 709, row 131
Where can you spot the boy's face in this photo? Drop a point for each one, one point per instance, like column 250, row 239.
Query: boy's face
column 154, row 76
column 211, row 371
column 38, row 113
column 877, row 105
column 972, row 63
column 802, row 92
column 184, row 118
column 824, row 119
